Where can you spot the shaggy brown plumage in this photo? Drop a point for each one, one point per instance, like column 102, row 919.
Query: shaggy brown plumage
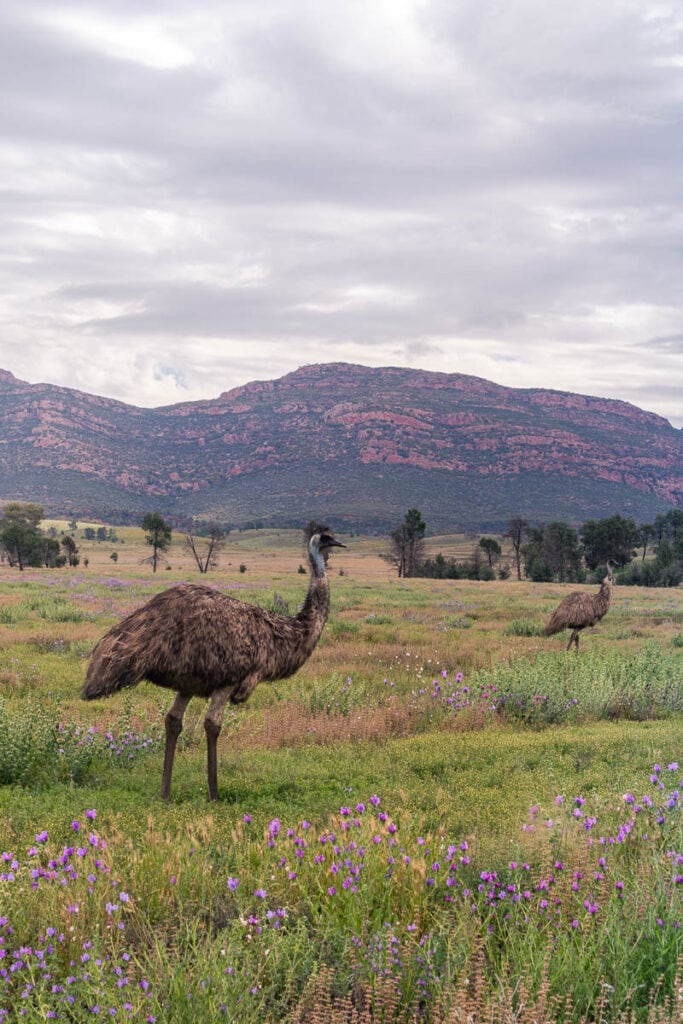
column 580, row 609
column 203, row 643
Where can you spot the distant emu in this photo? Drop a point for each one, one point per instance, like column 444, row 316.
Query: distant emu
column 202, row 643
column 579, row 610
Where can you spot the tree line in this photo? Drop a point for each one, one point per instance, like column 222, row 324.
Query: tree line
column 553, row 551
column 542, row 553
column 24, row 544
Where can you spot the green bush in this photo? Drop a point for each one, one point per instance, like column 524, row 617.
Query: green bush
column 524, row 627
column 37, row 749
column 558, row 687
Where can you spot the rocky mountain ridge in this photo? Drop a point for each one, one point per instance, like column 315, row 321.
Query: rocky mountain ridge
column 355, row 444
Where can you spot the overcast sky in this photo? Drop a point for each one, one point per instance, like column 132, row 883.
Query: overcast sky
column 196, row 194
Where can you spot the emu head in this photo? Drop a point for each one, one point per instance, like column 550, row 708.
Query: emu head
column 609, row 577
column 320, row 540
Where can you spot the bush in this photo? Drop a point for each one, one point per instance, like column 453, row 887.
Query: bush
column 524, row 627
column 556, row 688
column 37, row 749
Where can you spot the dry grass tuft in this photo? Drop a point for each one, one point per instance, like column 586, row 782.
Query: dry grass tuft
column 289, row 724
column 470, row 1001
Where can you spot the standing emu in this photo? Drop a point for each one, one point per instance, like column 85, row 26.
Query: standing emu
column 202, row 643
column 579, row 610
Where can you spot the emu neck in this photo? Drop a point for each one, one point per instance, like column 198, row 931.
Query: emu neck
column 605, row 592
column 316, row 607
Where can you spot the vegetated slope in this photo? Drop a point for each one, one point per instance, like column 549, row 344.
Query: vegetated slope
column 355, row 444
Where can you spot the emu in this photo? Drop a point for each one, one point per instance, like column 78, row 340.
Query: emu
column 202, row 643
column 579, row 610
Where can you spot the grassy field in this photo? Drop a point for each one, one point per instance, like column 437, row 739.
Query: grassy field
column 442, row 817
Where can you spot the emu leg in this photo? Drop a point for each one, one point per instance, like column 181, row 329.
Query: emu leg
column 212, row 726
column 174, row 727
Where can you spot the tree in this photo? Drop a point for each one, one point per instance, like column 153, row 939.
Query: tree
column 561, row 545
column 492, row 548
column 407, row 547
column 611, row 539
column 516, row 531
column 552, row 552
column 19, row 542
column 215, row 540
column 50, row 556
column 70, row 550
column 158, row 535
column 20, row 538
column 23, row 511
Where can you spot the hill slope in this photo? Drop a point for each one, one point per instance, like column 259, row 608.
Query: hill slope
column 354, row 444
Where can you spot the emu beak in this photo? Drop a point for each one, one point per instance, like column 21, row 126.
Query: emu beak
column 335, row 544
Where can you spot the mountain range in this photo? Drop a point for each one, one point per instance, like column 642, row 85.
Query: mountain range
column 355, row 445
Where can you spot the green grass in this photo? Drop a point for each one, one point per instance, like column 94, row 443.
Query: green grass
column 470, row 764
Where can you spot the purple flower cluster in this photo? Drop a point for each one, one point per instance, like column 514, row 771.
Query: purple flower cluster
column 341, row 864
column 129, row 745
column 60, row 972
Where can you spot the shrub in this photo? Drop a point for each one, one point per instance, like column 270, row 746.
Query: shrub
column 524, row 627
column 556, row 688
column 38, row 749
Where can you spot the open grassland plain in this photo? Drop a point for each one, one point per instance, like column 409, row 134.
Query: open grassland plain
column 442, row 817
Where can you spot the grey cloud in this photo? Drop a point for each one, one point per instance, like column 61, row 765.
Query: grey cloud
column 505, row 190
column 672, row 343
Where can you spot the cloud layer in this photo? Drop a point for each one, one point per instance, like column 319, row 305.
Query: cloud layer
column 196, row 196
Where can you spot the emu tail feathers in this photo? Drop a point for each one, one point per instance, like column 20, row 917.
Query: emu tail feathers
column 554, row 625
column 107, row 673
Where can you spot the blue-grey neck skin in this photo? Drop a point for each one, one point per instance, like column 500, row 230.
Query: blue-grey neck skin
column 316, row 558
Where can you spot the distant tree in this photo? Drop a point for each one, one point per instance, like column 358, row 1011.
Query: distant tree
column 50, row 556
column 158, row 535
column 407, row 544
column 101, row 534
column 552, row 552
column 563, row 552
column 89, row 533
column 70, row 550
column 214, row 541
column 114, row 556
column 20, row 538
column 670, row 526
column 73, row 525
column 19, row 543
column 669, row 549
column 23, row 511
column 666, row 524
column 612, row 539
column 516, row 531
column 668, row 564
column 492, row 548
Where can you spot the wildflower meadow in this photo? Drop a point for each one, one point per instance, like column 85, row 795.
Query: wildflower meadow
column 440, row 818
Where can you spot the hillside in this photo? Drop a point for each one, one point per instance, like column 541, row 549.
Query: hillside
column 354, row 444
